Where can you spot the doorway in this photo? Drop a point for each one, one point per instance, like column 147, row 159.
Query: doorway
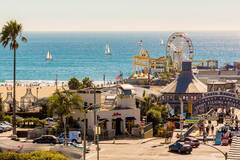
column 118, row 130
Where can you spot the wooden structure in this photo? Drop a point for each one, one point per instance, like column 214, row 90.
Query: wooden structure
column 143, row 64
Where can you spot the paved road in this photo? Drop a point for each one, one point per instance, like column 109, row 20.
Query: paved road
column 151, row 150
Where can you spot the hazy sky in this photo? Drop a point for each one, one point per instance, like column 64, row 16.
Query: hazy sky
column 132, row 15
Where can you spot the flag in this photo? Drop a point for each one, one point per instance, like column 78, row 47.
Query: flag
column 119, row 77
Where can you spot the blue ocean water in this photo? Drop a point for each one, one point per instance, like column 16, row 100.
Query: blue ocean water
column 81, row 54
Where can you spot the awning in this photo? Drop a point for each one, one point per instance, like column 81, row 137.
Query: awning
column 103, row 120
column 130, row 118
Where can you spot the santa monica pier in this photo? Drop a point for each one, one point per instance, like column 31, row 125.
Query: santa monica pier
column 174, row 102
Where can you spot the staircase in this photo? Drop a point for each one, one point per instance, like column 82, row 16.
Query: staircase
column 234, row 153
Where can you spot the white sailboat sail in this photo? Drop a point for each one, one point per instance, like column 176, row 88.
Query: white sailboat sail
column 107, row 49
column 49, row 56
column 162, row 42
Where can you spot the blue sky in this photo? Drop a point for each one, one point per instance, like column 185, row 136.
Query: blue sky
column 122, row 15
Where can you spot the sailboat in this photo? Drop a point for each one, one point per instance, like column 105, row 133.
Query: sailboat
column 162, row 42
column 108, row 50
column 49, row 56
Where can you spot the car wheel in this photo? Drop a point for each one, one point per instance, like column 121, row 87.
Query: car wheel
column 179, row 151
column 74, row 141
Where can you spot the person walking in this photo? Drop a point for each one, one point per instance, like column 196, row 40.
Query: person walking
column 207, row 130
column 212, row 129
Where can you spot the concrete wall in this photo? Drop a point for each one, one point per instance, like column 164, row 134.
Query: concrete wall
column 89, row 97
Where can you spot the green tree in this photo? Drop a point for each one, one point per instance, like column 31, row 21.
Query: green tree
column 62, row 103
column 154, row 116
column 87, row 82
column 147, row 104
column 74, row 84
column 10, row 35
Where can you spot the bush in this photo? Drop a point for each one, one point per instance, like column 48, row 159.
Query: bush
column 7, row 118
column 30, row 122
column 37, row 155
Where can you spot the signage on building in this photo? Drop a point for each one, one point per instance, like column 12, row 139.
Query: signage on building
column 97, row 130
column 116, row 114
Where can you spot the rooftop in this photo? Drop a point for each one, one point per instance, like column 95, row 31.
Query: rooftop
column 186, row 82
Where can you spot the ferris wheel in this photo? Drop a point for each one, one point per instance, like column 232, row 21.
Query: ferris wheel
column 179, row 48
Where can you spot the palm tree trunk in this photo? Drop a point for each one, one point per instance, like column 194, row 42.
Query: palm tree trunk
column 14, row 93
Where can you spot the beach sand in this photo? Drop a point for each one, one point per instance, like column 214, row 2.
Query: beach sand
column 43, row 91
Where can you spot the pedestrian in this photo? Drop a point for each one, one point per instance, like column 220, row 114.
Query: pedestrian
column 207, row 130
column 212, row 129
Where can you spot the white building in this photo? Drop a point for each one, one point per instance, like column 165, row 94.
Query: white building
column 118, row 113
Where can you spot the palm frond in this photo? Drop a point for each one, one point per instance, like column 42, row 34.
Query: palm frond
column 11, row 32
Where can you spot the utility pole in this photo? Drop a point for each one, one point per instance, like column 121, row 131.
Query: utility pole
column 181, row 117
column 65, row 131
column 98, row 132
column 94, row 113
column 84, row 135
column 104, row 78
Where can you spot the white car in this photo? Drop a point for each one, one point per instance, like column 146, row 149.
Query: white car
column 72, row 136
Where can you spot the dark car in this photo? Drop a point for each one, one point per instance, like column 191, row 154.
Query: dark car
column 192, row 141
column 180, row 147
column 46, row 139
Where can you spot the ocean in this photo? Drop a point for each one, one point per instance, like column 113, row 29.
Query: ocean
column 81, row 54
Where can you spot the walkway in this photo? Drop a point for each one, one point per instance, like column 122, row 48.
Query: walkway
column 234, row 153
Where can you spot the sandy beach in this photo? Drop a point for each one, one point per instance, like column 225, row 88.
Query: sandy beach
column 43, row 91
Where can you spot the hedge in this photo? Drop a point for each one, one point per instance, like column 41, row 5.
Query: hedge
column 37, row 155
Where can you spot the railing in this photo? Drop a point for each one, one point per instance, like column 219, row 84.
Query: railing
column 148, row 127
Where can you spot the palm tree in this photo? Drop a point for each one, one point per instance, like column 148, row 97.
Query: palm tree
column 10, row 35
column 62, row 104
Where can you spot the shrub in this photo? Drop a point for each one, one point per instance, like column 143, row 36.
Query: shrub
column 7, row 118
column 37, row 155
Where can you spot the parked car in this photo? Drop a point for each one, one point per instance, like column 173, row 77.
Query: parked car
column 7, row 123
column 180, row 147
column 1, row 130
column 194, row 142
column 46, row 139
column 72, row 136
column 5, row 127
